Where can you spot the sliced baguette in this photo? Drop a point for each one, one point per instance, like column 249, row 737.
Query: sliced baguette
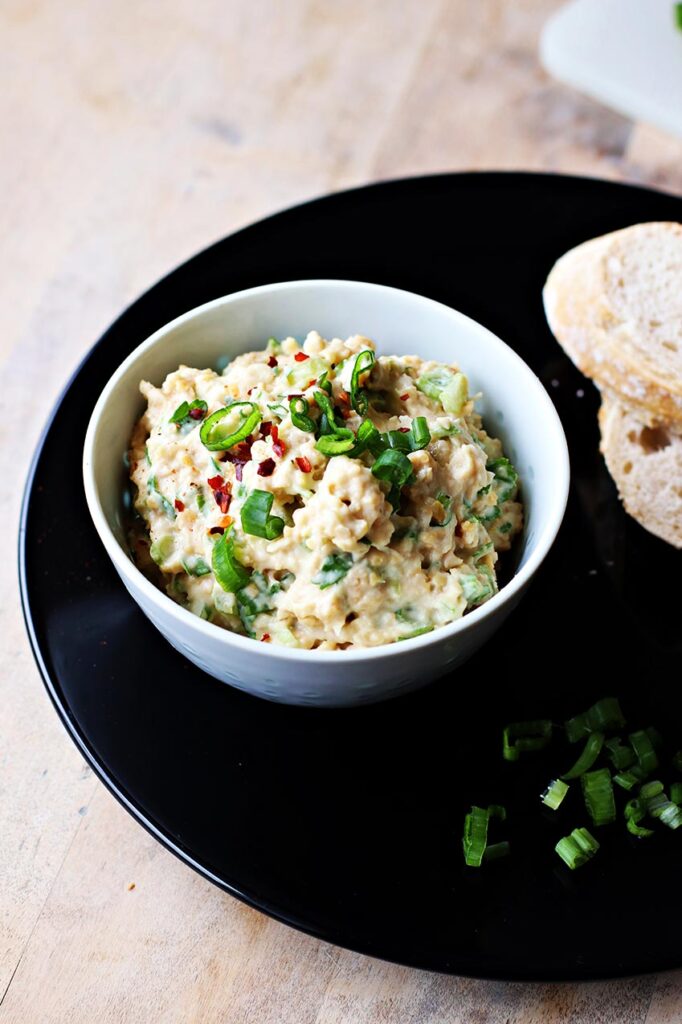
column 646, row 465
column 615, row 305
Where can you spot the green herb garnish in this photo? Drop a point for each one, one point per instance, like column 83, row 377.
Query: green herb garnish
column 256, row 518
column 217, row 436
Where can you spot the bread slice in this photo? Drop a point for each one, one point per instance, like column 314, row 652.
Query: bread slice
column 646, row 465
column 615, row 305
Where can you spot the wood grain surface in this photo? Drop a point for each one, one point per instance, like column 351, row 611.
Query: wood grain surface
column 134, row 134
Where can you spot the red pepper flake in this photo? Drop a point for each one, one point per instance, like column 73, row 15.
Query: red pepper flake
column 217, row 529
column 301, row 357
column 265, row 428
column 403, row 398
column 251, row 390
column 289, row 397
column 215, row 482
column 310, row 383
column 344, row 397
column 179, row 505
column 403, row 430
column 303, row 464
column 238, row 456
column 345, row 414
column 272, row 361
column 266, row 467
column 197, row 414
column 278, row 446
column 223, row 498
column 265, row 638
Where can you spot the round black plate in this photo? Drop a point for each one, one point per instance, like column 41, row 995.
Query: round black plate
column 347, row 824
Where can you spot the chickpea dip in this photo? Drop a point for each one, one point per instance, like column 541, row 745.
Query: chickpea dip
column 319, row 496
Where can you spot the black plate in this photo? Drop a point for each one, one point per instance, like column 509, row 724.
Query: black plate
column 347, row 824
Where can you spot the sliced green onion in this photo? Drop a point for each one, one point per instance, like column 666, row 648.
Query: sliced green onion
column 604, row 716
column 323, row 383
column 631, row 778
column 278, row 409
column 589, row 755
column 634, row 813
column 229, row 572
column 475, row 838
column 497, row 811
column 420, row 434
column 256, row 518
column 670, row 814
column 446, row 387
column 644, row 749
column 216, row 438
column 554, row 795
column 161, row 550
column 432, row 382
column 364, row 361
column 298, row 409
column 333, row 569
column 648, row 790
column 399, row 441
column 327, row 424
column 677, row 15
column 521, row 737
column 368, row 438
column 273, row 345
column 201, row 500
column 620, row 756
column 147, row 458
column 196, row 567
column 598, row 795
column 416, row 632
column 153, row 488
column 341, row 442
column 655, row 737
column 677, row 761
column 396, row 468
column 455, row 395
column 506, row 478
column 576, row 849
column 676, row 792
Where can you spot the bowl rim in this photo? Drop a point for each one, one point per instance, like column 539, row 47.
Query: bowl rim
column 128, row 570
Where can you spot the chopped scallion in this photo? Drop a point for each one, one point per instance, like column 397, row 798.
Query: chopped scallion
column 598, row 796
column 589, row 755
column 256, row 518
column 604, row 716
column 229, row 572
column 298, row 409
column 644, row 749
column 576, row 849
column 217, row 437
column 333, row 569
column 554, row 795
column 521, row 737
column 363, row 363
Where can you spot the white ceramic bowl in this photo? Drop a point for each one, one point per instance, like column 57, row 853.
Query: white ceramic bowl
column 515, row 407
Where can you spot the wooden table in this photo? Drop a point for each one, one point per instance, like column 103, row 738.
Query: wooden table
column 136, row 133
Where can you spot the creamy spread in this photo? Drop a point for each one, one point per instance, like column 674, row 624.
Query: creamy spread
column 321, row 497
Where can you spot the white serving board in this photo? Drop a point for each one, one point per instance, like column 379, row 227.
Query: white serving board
column 625, row 53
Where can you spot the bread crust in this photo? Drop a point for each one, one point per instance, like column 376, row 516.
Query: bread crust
column 601, row 344
column 646, row 466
